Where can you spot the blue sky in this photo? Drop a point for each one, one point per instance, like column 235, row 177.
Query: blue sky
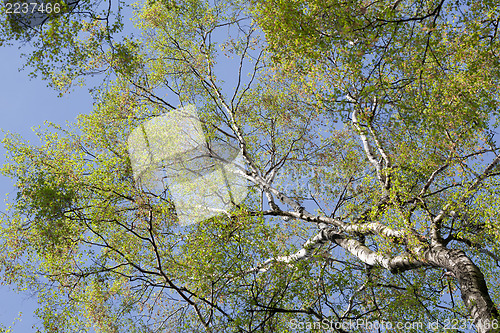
column 26, row 104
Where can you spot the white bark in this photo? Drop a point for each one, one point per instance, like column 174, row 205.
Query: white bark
column 472, row 286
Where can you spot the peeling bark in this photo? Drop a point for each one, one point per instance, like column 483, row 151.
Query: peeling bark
column 472, row 286
column 395, row 264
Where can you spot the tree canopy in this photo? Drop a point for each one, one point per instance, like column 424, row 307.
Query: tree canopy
column 368, row 136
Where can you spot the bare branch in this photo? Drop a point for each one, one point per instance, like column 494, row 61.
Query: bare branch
column 351, row 299
column 367, row 148
column 362, row 252
column 306, row 252
column 394, row 264
column 444, row 212
column 431, row 179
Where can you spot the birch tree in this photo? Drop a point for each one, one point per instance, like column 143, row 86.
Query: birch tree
column 425, row 114
column 367, row 134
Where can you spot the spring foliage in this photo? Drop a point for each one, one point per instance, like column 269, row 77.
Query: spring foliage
column 368, row 129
